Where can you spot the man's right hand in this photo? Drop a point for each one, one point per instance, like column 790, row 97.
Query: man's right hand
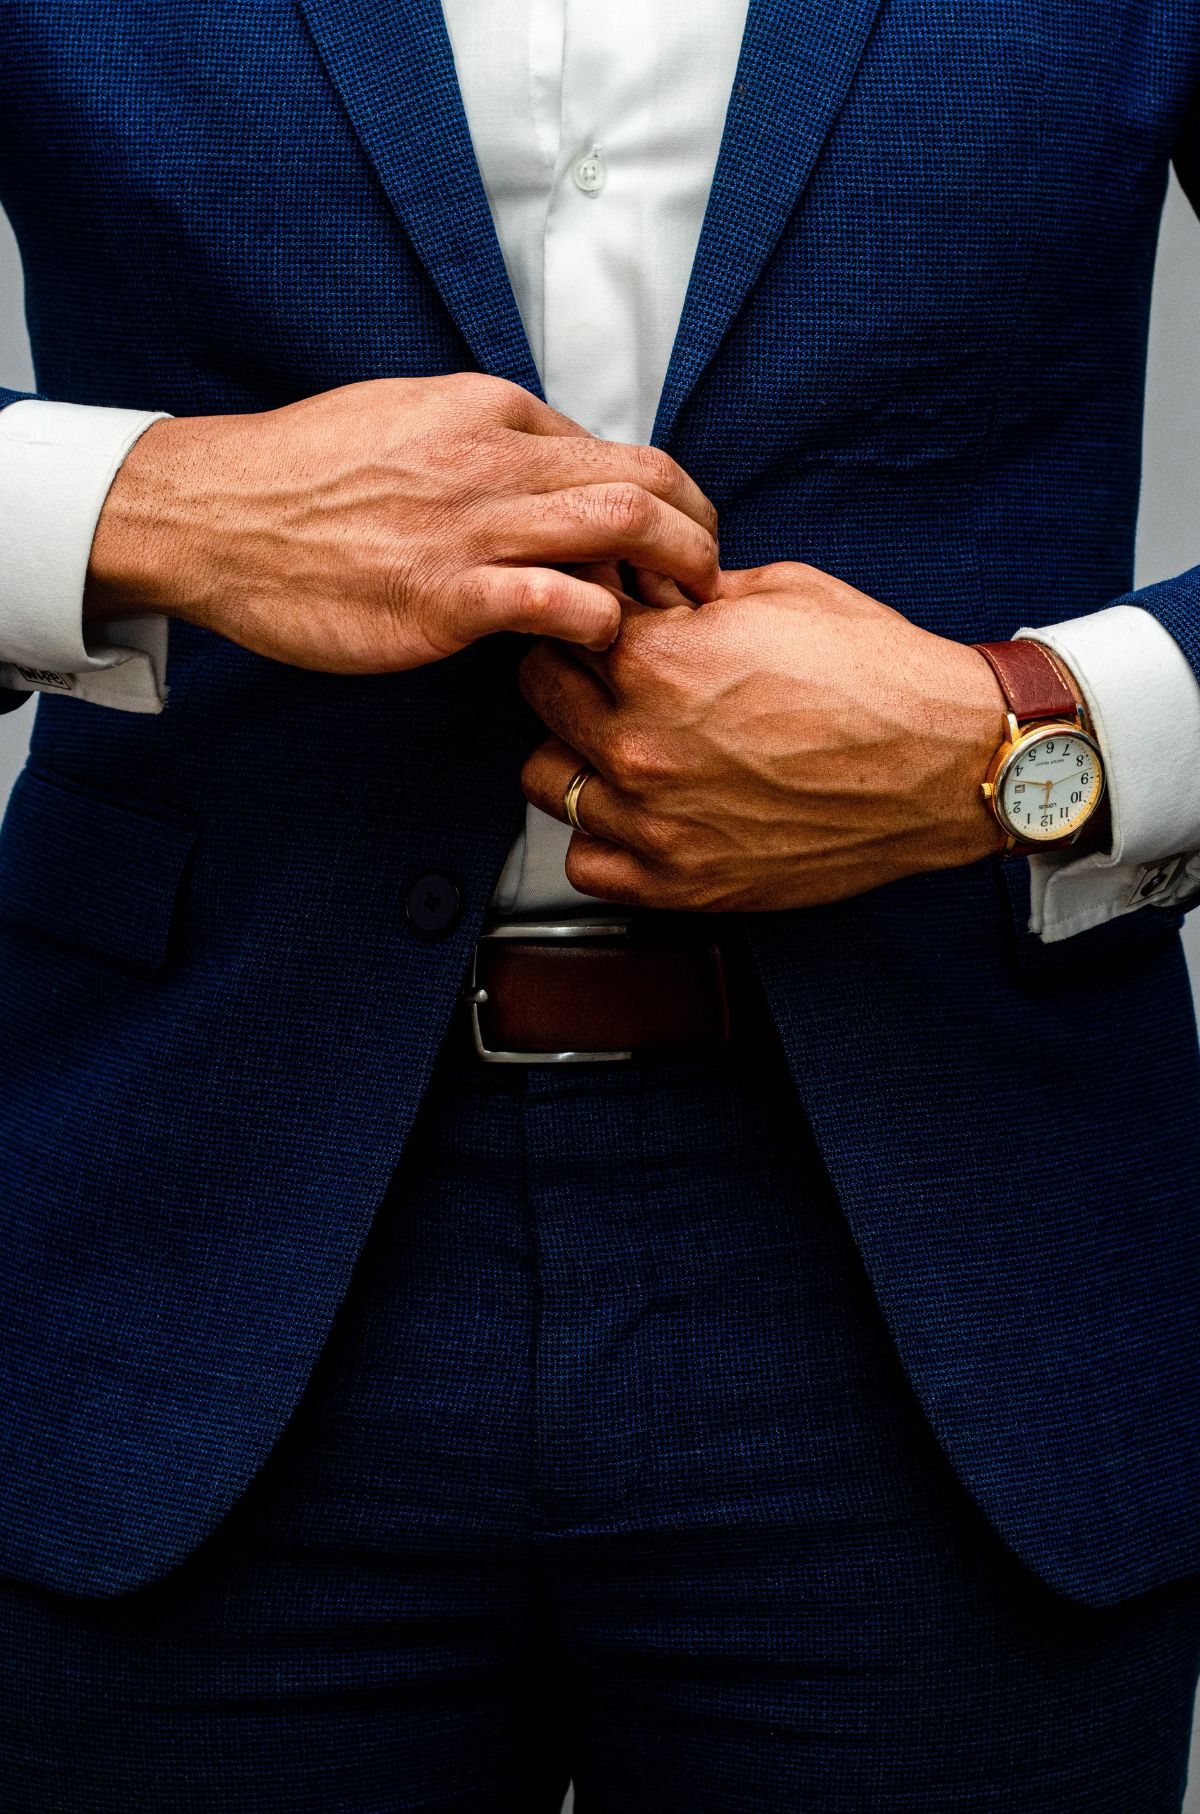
column 390, row 523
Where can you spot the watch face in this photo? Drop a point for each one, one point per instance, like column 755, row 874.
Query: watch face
column 1051, row 785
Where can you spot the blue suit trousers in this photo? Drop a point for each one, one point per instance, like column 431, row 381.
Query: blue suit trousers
column 608, row 1472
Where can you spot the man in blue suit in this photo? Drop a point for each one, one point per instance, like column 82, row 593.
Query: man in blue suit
column 620, row 1207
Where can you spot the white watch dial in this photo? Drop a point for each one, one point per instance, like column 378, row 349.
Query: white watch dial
column 1050, row 785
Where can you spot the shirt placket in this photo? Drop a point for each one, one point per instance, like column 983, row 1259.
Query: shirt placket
column 591, row 280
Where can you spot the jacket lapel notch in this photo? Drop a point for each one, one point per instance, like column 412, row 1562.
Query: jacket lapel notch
column 797, row 62
column 392, row 65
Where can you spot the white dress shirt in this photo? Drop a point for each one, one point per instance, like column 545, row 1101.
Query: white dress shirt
column 596, row 130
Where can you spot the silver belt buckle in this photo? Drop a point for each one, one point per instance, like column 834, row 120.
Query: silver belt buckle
column 535, row 932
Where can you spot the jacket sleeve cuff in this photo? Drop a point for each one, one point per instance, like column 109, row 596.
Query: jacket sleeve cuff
column 1144, row 703
column 57, row 462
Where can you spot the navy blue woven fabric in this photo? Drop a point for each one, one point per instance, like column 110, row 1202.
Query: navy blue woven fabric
column 912, row 353
column 611, row 1472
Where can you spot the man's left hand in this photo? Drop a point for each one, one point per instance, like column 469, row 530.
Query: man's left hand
column 791, row 742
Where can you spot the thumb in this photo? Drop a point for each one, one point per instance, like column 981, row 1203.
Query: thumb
column 656, row 590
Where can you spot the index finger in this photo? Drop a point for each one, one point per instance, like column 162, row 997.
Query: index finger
column 570, row 701
column 593, row 462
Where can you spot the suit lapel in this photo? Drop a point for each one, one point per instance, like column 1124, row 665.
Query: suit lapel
column 797, row 62
column 393, row 67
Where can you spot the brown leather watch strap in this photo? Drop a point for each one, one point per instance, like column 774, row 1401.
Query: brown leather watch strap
column 610, row 996
column 1031, row 680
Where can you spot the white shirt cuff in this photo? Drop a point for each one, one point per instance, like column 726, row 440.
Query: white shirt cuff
column 57, row 462
column 1144, row 703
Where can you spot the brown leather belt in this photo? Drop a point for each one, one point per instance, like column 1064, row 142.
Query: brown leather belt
column 576, row 991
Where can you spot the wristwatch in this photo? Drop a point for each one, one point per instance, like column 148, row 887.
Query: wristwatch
column 1046, row 780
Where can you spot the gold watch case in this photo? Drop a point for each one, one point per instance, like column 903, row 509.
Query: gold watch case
column 1018, row 742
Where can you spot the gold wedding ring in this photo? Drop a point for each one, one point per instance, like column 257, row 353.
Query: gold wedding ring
column 575, row 787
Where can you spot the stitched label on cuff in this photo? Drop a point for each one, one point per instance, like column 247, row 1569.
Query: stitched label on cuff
column 49, row 678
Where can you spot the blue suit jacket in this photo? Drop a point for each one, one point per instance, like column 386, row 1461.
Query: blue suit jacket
column 912, row 353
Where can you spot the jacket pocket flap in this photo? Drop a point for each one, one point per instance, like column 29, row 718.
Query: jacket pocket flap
column 92, row 870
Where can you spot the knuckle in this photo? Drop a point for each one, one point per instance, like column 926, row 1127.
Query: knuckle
column 621, row 758
column 531, row 600
column 657, row 471
column 635, row 759
column 479, row 408
column 461, row 383
column 626, row 508
column 462, row 398
column 579, row 865
column 481, row 389
column 796, row 573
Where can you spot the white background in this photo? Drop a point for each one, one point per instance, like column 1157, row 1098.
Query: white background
column 1168, row 530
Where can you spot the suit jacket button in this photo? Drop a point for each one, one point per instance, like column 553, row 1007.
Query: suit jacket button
column 433, row 904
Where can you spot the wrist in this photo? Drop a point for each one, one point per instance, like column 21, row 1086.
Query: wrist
column 977, row 728
column 154, row 542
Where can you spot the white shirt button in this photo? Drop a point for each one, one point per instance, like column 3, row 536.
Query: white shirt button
column 589, row 171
